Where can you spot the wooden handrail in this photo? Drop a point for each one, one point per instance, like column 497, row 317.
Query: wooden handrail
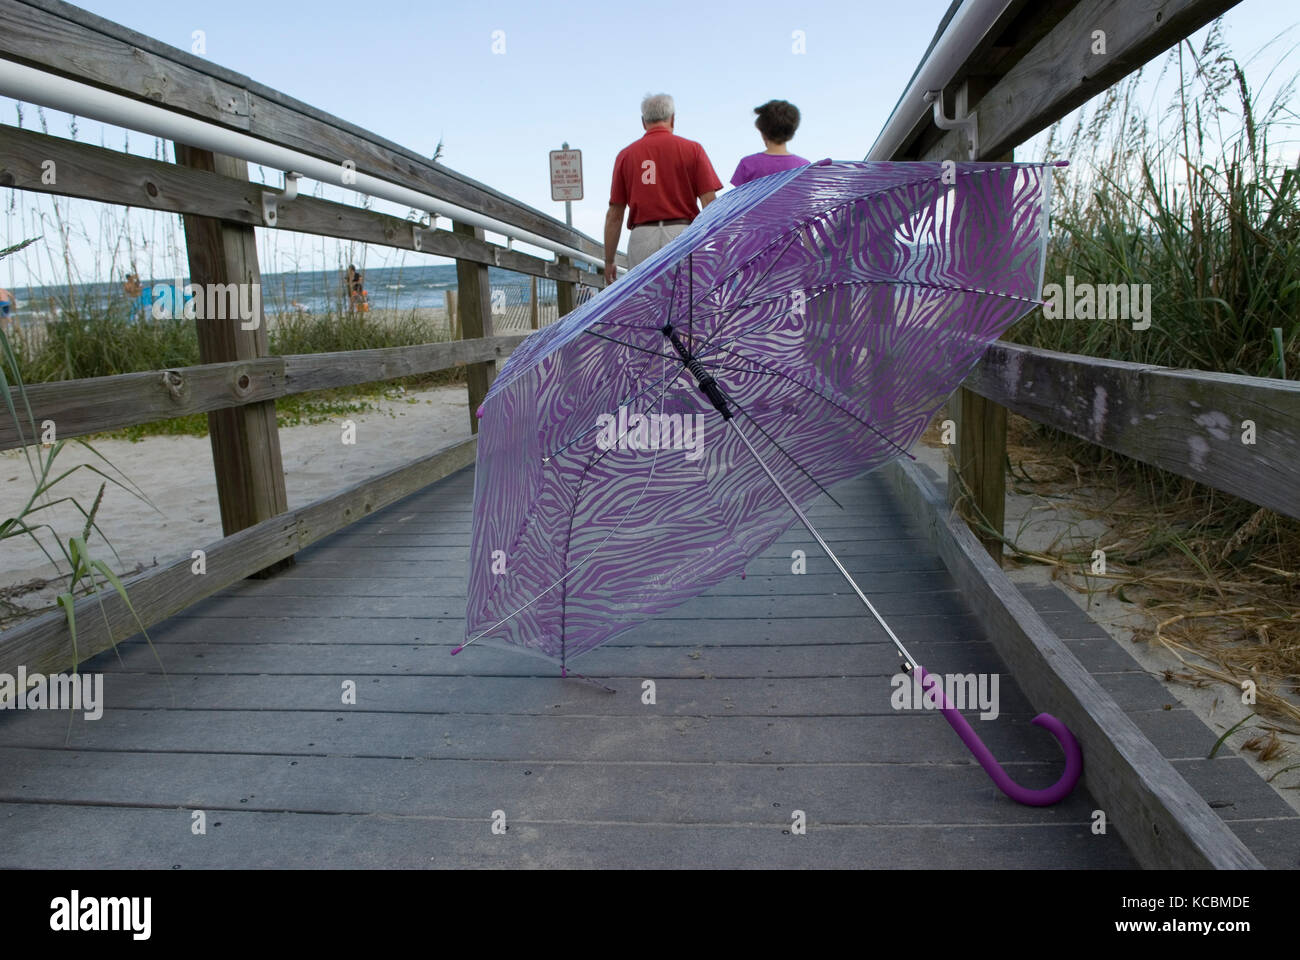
column 110, row 176
column 1236, row 434
column 74, row 43
column 93, row 405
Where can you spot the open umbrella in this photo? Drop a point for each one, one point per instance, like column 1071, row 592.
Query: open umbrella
column 803, row 330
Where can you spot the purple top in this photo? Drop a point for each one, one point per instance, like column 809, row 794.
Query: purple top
column 761, row 164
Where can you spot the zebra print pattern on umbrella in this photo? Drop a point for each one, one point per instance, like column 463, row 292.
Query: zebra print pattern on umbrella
column 838, row 305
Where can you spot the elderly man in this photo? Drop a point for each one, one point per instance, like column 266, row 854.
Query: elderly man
column 657, row 180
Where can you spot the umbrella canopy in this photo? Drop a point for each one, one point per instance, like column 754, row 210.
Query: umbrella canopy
column 836, row 305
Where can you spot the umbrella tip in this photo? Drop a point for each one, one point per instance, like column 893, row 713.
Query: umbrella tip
column 458, row 650
column 479, row 412
column 822, row 163
column 1061, row 163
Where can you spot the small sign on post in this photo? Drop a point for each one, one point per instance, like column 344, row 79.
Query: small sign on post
column 566, row 174
column 566, row 178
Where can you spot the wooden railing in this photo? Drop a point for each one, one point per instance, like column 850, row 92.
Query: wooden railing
column 1040, row 62
column 1236, row 434
column 238, row 382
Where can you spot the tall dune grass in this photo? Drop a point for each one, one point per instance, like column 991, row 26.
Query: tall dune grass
column 1195, row 201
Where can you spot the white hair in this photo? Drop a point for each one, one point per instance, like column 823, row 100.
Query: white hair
column 657, row 108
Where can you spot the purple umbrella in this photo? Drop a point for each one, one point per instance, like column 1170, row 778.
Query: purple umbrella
column 802, row 331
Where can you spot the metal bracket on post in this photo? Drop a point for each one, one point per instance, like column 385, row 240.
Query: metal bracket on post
column 417, row 232
column 968, row 122
column 270, row 200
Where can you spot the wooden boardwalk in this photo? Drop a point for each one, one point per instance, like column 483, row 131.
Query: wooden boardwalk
column 772, row 695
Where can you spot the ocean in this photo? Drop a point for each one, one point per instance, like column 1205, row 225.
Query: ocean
column 315, row 291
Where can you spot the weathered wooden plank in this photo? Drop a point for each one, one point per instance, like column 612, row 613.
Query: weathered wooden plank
column 979, row 474
column 1185, row 421
column 109, row 176
column 44, row 645
column 79, row 407
column 1062, row 72
column 474, row 303
column 899, row 737
column 317, row 371
column 326, row 563
column 445, row 628
column 150, row 838
column 629, row 793
column 75, row 43
column 245, row 439
column 810, row 610
column 566, row 294
column 1165, row 823
column 518, row 696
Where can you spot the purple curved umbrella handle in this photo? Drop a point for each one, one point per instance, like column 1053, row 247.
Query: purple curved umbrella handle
column 1031, row 798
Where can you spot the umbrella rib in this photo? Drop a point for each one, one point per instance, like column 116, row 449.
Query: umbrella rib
column 775, row 261
column 666, row 356
column 623, row 402
column 898, row 644
column 772, row 440
column 818, row 393
column 632, row 346
column 856, row 283
column 794, row 228
column 570, row 572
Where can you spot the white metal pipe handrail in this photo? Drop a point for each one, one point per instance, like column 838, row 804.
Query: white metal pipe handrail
column 968, row 26
column 59, row 93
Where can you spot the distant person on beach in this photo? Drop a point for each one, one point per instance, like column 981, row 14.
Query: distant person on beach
column 657, row 180
column 139, row 300
column 357, row 296
column 777, row 121
column 7, row 307
column 136, row 299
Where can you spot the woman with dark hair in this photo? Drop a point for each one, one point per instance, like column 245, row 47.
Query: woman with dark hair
column 777, row 121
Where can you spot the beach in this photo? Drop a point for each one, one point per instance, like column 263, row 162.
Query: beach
column 176, row 475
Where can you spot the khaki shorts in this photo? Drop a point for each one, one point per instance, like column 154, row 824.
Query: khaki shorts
column 648, row 240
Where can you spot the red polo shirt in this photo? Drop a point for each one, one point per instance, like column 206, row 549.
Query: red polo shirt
column 659, row 177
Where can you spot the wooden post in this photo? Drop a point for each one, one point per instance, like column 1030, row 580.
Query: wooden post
column 980, row 455
column 245, row 440
column 533, row 315
column 980, row 452
column 475, row 315
column 453, row 317
column 565, row 292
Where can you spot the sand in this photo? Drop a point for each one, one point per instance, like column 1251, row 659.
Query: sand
column 175, row 473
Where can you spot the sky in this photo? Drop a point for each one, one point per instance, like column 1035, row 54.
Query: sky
column 502, row 83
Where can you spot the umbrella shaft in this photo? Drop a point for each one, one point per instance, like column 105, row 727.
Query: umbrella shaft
column 708, row 386
column 910, row 663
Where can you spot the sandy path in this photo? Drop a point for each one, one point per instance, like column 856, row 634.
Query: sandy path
column 175, row 473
